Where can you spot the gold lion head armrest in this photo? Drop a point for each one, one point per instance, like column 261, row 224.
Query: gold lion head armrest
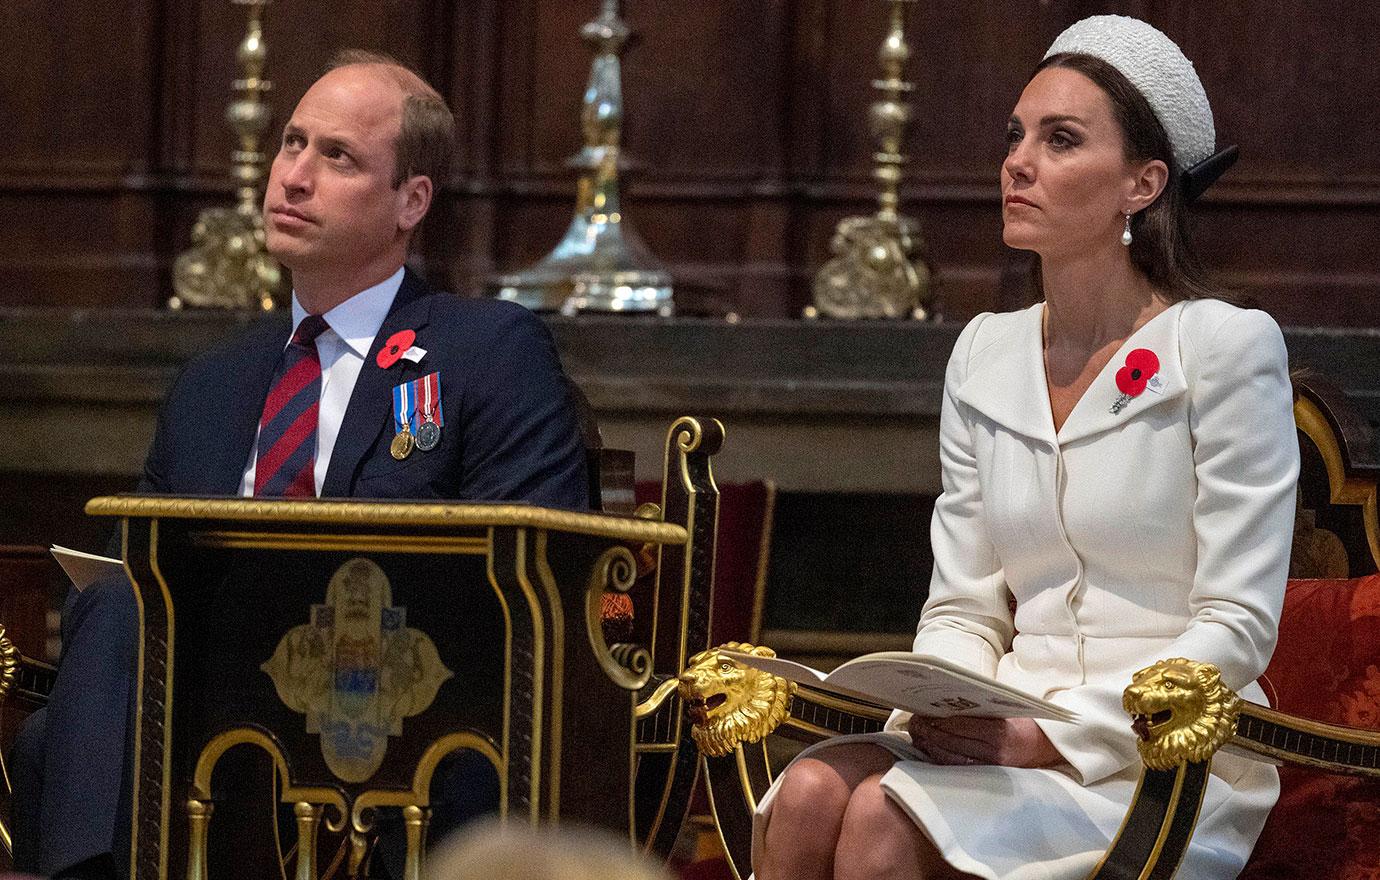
column 729, row 703
column 1181, row 712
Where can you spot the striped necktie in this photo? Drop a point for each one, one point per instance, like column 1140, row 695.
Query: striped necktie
column 286, row 461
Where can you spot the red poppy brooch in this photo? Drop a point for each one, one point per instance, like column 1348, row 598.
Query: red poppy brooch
column 1131, row 380
column 395, row 347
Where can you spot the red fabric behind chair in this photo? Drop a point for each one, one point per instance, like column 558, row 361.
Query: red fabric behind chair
column 1326, row 668
column 740, row 564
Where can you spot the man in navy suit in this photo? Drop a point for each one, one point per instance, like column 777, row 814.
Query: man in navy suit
column 355, row 174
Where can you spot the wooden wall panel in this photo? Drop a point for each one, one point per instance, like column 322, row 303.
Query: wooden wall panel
column 1286, row 81
column 301, row 39
column 64, row 127
column 708, row 90
column 748, row 118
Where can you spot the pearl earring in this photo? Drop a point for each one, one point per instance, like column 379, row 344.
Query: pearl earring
column 1126, row 233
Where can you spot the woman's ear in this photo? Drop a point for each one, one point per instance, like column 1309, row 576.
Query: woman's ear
column 1147, row 182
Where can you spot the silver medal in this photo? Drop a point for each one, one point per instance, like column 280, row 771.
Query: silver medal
column 428, row 435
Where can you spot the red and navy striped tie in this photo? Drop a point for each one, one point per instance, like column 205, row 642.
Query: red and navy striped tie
column 286, row 462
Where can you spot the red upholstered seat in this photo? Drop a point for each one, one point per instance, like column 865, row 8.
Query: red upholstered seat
column 1326, row 668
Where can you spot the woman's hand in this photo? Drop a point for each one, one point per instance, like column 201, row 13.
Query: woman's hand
column 1010, row 742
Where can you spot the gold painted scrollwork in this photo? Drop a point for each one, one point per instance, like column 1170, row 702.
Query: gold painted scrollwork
column 629, row 666
column 361, row 813
column 651, row 704
column 689, row 434
column 310, row 803
column 1181, row 712
column 730, row 703
column 220, row 744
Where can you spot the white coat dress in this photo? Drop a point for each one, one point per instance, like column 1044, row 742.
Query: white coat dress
column 1162, row 530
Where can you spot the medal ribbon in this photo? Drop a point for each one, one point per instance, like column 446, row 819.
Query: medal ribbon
column 404, row 407
column 431, row 408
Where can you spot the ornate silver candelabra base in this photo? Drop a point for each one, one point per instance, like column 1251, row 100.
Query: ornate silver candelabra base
column 599, row 265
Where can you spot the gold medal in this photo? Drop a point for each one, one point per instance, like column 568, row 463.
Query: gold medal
column 401, row 447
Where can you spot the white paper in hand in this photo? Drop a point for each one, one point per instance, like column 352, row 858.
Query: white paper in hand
column 86, row 568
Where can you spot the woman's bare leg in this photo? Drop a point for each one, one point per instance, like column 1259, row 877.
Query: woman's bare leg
column 808, row 811
column 879, row 841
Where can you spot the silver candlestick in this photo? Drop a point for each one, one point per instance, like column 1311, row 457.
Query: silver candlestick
column 601, row 264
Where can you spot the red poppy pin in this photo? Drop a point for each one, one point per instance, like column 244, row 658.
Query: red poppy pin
column 395, row 346
column 1141, row 367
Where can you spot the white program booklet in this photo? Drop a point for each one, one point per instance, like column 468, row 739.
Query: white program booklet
column 86, row 568
column 917, row 683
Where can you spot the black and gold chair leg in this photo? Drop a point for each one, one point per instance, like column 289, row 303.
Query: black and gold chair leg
column 1155, row 833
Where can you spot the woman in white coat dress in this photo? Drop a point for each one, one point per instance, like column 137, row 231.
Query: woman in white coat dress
column 1121, row 460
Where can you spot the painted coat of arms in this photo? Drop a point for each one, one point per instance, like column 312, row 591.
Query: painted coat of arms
column 356, row 670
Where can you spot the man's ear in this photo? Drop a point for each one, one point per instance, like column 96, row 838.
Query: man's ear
column 414, row 198
column 1147, row 183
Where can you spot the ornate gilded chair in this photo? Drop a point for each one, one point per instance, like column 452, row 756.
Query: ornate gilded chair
column 739, row 714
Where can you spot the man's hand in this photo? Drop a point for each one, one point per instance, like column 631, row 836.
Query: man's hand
column 1010, row 742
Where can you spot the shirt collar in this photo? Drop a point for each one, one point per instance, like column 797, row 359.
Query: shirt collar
column 357, row 320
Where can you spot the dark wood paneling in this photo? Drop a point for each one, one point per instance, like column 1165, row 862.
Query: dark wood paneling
column 301, row 39
column 75, row 88
column 748, row 119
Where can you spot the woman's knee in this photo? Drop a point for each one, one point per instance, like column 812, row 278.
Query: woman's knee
column 811, row 791
column 878, row 838
column 831, row 774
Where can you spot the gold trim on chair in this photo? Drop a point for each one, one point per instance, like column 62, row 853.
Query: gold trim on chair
column 1343, row 489
column 628, row 666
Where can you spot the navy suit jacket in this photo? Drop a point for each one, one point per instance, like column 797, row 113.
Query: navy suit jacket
column 511, row 429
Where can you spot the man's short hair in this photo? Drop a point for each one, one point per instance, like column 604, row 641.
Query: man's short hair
column 427, row 140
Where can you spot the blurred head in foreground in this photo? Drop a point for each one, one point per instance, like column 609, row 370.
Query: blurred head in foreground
column 495, row 851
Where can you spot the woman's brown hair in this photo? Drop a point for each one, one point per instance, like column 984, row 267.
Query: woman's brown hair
column 1159, row 234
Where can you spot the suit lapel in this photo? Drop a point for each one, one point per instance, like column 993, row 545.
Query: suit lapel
column 1006, row 378
column 1093, row 412
column 244, row 401
column 371, row 403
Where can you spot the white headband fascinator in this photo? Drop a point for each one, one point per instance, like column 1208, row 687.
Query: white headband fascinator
column 1159, row 71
